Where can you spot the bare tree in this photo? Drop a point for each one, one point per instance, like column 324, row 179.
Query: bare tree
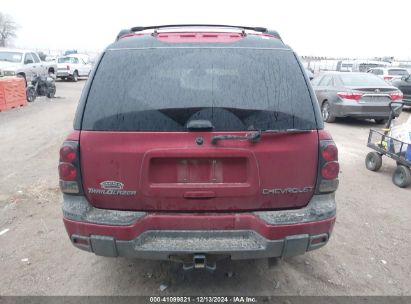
column 8, row 29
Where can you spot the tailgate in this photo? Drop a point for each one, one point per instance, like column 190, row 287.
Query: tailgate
column 170, row 171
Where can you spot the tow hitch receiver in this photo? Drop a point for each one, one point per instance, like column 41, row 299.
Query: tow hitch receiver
column 200, row 262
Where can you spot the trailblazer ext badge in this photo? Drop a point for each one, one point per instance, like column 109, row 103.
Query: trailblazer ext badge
column 111, row 188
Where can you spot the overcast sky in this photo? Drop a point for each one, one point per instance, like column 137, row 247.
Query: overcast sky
column 345, row 28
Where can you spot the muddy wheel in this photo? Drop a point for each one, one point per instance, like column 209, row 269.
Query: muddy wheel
column 274, row 262
column 402, row 176
column 326, row 112
column 373, row 161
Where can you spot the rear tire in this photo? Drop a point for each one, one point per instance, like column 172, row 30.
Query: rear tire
column 402, row 176
column 274, row 262
column 52, row 93
column 373, row 161
column 31, row 94
column 75, row 76
column 380, row 121
column 326, row 112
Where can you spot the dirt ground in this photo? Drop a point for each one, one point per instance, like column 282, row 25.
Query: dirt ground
column 368, row 254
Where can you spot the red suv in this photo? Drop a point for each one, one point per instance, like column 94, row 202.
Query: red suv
column 194, row 143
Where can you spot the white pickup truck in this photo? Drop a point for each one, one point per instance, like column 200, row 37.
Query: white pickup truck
column 24, row 63
column 73, row 66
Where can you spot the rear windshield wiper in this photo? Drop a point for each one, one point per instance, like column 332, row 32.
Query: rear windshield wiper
column 255, row 136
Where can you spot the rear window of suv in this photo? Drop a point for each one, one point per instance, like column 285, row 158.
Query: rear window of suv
column 397, row 72
column 162, row 89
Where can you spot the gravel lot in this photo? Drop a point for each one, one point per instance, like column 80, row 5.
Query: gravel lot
column 368, row 253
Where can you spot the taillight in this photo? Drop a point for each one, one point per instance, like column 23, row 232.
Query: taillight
column 328, row 166
column 67, row 172
column 69, row 168
column 350, row 95
column 330, row 170
column 388, row 77
column 330, row 152
column 67, row 154
column 68, row 67
column 396, row 96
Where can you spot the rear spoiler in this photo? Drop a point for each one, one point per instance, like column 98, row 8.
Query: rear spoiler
column 135, row 29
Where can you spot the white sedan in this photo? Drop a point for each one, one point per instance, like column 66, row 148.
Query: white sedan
column 72, row 67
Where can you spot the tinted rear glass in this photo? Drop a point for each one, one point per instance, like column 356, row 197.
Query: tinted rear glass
column 163, row 89
column 397, row 72
column 361, row 80
column 364, row 67
column 67, row 60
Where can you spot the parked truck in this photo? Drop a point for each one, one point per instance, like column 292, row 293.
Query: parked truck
column 24, row 63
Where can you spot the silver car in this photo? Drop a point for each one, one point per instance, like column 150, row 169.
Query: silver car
column 360, row 95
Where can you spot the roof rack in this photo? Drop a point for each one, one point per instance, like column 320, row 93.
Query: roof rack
column 157, row 27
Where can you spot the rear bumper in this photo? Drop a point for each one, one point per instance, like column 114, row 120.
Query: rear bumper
column 361, row 110
column 63, row 74
column 408, row 99
column 161, row 236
